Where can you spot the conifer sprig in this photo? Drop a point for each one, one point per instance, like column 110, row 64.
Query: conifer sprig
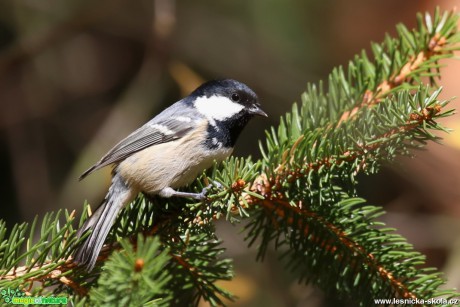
column 311, row 162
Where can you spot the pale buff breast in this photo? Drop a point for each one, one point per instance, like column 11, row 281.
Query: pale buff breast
column 172, row 164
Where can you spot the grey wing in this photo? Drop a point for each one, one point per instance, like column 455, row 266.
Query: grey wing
column 161, row 129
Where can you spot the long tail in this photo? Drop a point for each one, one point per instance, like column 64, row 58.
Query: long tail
column 101, row 222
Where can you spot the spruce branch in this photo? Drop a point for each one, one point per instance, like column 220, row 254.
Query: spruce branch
column 415, row 63
column 143, row 264
column 361, row 152
column 198, row 262
column 193, row 258
column 308, row 163
column 282, row 209
column 402, row 62
column 358, row 255
column 46, row 260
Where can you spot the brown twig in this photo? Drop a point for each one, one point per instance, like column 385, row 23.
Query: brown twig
column 283, row 171
column 280, row 207
column 55, row 274
column 265, row 186
column 371, row 98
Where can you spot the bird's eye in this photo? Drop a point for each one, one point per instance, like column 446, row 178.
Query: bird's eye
column 235, row 97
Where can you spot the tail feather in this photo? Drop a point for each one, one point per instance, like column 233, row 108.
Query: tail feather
column 101, row 222
column 87, row 172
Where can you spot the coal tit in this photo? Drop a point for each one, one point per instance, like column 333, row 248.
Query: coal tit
column 169, row 152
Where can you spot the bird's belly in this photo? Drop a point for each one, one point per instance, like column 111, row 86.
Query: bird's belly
column 189, row 170
column 168, row 165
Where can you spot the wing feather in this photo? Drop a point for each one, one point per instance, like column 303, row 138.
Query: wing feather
column 153, row 133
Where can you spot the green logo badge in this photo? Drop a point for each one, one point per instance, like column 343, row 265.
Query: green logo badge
column 18, row 297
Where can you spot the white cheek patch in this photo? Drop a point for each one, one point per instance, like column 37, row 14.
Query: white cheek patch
column 217, row 107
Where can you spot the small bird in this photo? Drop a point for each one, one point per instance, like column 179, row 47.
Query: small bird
column 169, row 152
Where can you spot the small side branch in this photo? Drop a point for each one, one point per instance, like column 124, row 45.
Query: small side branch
column 373, row 97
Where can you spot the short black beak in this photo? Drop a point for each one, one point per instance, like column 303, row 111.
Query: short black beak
column 256, row 110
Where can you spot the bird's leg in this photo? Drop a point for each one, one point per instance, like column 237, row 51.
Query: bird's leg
column 170, row 192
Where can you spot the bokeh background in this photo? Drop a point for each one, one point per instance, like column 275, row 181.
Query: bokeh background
column 77, row 76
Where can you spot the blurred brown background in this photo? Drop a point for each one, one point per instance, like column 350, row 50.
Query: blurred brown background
column 77, row 76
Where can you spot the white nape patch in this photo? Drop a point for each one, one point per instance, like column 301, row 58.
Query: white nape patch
column 163, row 129
column 217, row 107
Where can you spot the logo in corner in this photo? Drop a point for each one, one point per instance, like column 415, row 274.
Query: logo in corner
column 9, row 294
column 18, row 297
